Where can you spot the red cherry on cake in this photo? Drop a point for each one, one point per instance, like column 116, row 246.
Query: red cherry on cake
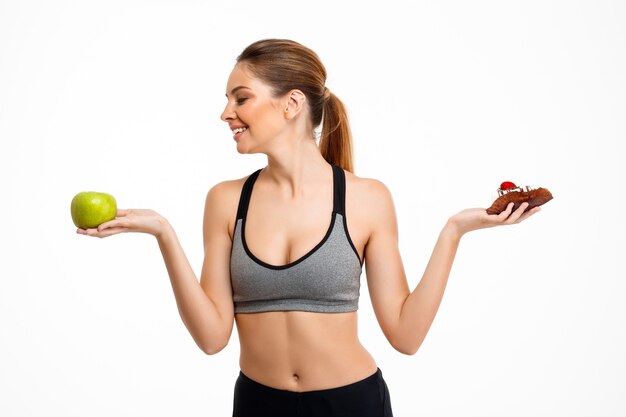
column 507, row 185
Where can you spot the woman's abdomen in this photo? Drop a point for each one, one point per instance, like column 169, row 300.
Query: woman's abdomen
column 301, row 351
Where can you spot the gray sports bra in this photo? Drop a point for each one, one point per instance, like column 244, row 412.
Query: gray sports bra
column 326, row 279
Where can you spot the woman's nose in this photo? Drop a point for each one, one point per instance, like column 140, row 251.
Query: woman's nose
column 228, row 113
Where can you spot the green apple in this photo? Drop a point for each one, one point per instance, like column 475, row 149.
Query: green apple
column 90, row 209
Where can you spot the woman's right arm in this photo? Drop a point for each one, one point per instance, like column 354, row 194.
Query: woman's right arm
column 215, row 275
column 206, row 307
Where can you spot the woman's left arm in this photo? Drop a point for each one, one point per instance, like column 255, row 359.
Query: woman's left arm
column 404, row 316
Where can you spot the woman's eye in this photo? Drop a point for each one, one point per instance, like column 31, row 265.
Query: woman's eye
column 241, row 100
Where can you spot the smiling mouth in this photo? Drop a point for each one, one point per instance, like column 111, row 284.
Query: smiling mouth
column 238, row 132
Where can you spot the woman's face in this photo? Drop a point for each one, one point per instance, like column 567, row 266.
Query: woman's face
column 254, row 116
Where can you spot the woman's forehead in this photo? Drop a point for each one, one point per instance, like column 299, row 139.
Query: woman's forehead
column 240, row 75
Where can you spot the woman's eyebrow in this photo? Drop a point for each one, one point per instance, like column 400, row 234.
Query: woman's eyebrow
column 239, row 87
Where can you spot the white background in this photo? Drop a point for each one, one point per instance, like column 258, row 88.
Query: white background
column 447, row 99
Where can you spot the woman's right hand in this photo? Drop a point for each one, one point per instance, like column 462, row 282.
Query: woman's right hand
column 130, row 220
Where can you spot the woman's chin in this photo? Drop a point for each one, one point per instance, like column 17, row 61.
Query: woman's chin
column 245, row 151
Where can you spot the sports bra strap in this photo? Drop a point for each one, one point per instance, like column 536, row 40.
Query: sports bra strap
column 339, row 192
column 246, row 192
column 339, row 185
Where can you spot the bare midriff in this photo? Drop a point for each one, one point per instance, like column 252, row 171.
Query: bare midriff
column 302, row 351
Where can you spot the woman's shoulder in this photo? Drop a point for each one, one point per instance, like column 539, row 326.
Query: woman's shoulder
column 226, row 192
column 367, row 189
column 369, row 206
column 222, row 202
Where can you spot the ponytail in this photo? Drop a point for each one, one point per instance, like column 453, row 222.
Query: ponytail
column 336, row 139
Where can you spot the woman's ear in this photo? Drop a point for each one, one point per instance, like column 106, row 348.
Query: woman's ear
column 294, row 103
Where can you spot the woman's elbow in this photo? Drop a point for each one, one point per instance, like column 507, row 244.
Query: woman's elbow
column 213, row 343
column 213, row 347
column 406, row 350
column 212, row 350
column 406, row 347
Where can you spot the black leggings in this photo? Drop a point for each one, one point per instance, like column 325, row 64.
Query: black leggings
column 366, row 398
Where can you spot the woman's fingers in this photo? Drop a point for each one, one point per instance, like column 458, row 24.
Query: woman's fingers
column 520, row 210
column 109, row 228
column 513, row 218
column 506, row 213
column 111, row 231
column 101, row 233
column 119, row 221
column 528, row 214
column 122, row 212
column 521, row 214
column 122, row 221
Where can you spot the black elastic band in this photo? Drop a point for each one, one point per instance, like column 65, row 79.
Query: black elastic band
column 339, row 190
column 246, row 192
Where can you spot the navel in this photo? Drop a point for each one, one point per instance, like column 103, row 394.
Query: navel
column 296, row 377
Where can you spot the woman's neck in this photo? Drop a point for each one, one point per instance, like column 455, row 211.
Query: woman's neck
column 296, row 166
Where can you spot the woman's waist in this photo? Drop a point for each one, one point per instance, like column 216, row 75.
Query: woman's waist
column 308, row 372
column 302, row 351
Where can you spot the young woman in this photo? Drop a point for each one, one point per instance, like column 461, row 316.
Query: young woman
column 285, row 247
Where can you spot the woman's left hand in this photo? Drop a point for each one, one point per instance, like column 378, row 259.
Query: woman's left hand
column 477, row 218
